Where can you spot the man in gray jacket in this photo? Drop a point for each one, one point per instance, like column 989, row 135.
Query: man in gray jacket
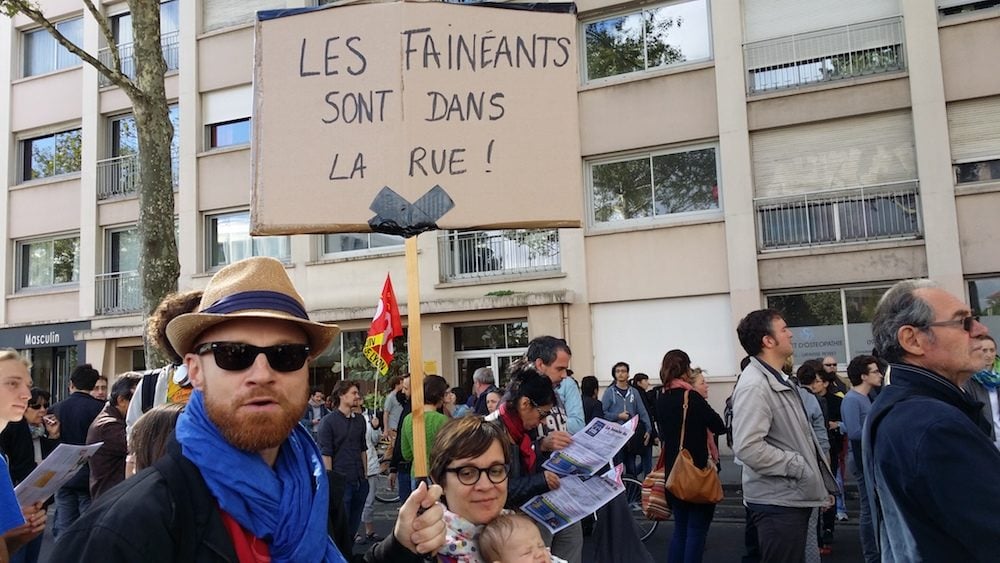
column 785, row 476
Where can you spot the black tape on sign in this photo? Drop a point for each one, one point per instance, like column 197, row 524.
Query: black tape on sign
column 394, row 215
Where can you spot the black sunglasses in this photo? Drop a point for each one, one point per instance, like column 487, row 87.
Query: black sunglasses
column 38, row 405
column 237, row 356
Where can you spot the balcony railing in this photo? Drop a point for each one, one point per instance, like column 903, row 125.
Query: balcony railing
column 889, row 211
column 119, row 176
column 117, row 293
column 126, row 52
column 827, row 55
column 484, row 254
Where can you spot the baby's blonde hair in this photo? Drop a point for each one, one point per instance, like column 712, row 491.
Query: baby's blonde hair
column 497, row 533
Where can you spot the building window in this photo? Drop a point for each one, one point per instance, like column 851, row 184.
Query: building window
column 654, row 185
column 41, row 52
column 495, row 345
column 229, row 133
column 952, row 7
column 52, row 155
column 829, row 323
column 354, row 242
column 483, row 254
column 229, row 241
column 648, row 39
column 43, row 263
column 984, row 297
column 982, row 171
column 117, row 289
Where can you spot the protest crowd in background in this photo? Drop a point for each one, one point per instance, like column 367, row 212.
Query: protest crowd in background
column 495, row 458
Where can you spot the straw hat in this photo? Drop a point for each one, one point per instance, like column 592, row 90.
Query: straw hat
column 253, row 288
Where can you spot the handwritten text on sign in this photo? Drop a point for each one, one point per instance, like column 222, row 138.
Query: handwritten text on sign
column 481, row 101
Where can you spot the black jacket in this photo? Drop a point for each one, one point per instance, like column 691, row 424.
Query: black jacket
column 167, row 514
column 592, row 408
column 480, row 404
column 521, row 485
column 700, row 417
column 75, row 414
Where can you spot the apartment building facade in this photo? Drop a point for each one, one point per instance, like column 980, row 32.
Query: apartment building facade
column 789, row 153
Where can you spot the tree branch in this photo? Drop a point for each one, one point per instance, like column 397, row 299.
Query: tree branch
column 34, row 14
column 109, row 37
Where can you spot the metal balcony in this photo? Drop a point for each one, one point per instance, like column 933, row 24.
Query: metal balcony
column 826, row 55
column 117, row 293
column 485, row 254
column 126, row 52
column 889, row 211
column 119, row 176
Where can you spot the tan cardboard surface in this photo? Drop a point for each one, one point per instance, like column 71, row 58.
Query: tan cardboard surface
column 479, row 101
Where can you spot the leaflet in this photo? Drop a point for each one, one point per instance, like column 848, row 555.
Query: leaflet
column 575, row 498
column 593, row 447
column 61, row 465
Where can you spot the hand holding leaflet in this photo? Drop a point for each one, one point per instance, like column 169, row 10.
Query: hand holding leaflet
column 53, row 472
column 592, row 447
column 575, row 498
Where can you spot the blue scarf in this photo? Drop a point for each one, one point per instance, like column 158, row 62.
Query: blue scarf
column 276, row 505
column 988, row 378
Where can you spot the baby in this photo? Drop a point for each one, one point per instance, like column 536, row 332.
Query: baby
column 514, row 538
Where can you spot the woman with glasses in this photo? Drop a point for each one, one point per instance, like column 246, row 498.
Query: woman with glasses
column 471, row 460
column 527, row 403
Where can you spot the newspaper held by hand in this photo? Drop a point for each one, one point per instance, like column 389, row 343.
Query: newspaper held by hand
column 575, row 498
column 592, row 448
column 61, row 465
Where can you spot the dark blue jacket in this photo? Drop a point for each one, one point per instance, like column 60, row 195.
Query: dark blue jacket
column 931, row 471
column 75, row 414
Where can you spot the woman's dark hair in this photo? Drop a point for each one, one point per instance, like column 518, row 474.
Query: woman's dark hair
column 526, row 382
column 809, row 371
column 676, row 364
column 461, row 395
column 588, row 388
column 173, row 305
column 461, row 438
column 37, row 393
column 639, row 378
column 152, row 432
column 435, row 387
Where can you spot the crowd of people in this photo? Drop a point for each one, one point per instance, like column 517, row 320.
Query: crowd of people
column 226, row 454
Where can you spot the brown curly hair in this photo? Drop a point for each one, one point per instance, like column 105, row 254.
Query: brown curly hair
column 172, row 306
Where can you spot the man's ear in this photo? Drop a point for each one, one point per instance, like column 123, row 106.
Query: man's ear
column 195, row 374
column 768, row 342
column 911, row 339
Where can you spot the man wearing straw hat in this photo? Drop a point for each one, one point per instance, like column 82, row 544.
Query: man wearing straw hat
column 241, row 480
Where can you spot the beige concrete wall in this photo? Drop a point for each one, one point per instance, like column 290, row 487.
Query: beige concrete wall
column 42, row 101
column 829, row 103
column 48, row 307
column 968, row 50
column 118, row 212
column 53, row 9
column 224, row 179
column 29, row 205
column 114, row 101
column 666, row 262
column 980, row 242
column 225, row 59
column 843, row 265
column 664, row 109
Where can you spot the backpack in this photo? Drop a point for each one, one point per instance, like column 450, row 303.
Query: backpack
column 149, row 379
column 727, row 419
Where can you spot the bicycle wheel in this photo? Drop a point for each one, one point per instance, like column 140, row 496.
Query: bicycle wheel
column 383, row 492
column 633, row 494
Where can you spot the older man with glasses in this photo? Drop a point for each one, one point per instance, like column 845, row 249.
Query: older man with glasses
column 929, row 462
column 241, row 479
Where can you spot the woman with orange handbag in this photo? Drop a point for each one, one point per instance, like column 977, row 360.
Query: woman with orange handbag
column 680, row 409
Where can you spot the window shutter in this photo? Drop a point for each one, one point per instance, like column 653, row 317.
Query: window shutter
column 974, row 127
column 228, row 104
column 768, row 19
column 843, row 153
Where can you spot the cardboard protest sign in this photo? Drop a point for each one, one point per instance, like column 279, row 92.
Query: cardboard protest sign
column 403, row 116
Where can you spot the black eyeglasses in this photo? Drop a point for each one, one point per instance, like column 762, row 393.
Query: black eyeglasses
column 470, row 474
column 967, row 323
column 542, row 413
column 38, row 405
column 237, row 356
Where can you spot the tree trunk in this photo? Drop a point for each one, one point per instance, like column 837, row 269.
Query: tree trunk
column 158, row 264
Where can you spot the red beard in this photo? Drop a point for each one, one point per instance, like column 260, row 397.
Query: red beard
column 254, row 431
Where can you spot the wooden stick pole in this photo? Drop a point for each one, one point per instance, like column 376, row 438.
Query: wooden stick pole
column 414, row 347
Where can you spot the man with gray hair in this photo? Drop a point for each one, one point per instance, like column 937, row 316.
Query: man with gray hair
column 928, row 458
column 482, row 384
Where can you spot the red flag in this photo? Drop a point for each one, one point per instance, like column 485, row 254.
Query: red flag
column 386, row 326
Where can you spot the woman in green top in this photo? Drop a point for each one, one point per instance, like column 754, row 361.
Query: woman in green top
column 434, row 389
